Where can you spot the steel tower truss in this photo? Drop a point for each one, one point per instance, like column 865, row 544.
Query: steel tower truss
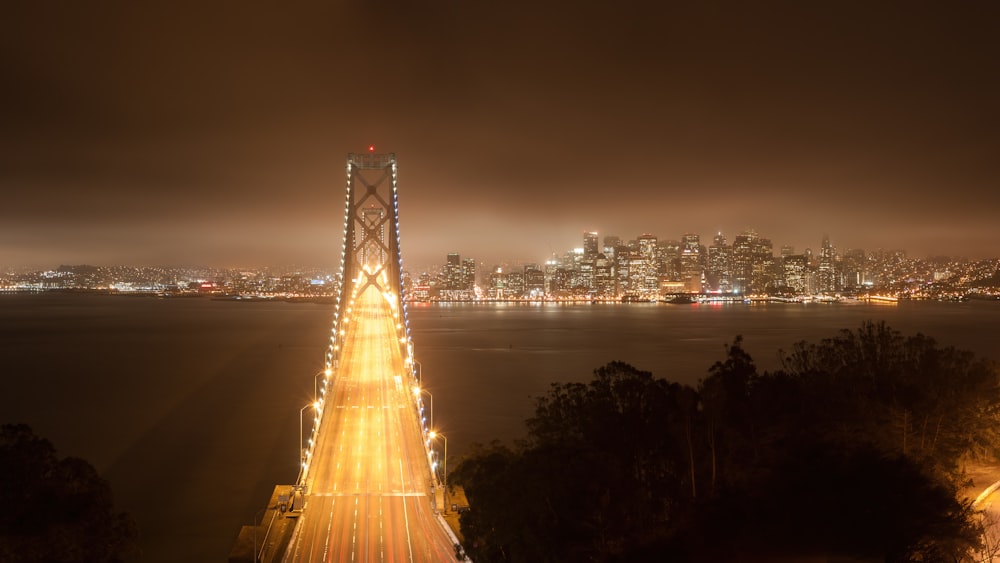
column 370, row 253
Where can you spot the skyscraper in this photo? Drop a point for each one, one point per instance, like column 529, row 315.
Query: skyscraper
column 763, row 275
column 795, row 272
column 590, row 246
column 469, row 274
column 453, row 272
column 742, row 261
column 752, row 264
column 826, row 272
column 648, row 277
column 691, row 261
column 718, row 270
column 611, row 243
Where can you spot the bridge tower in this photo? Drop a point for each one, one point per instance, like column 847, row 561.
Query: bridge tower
column 370, row 253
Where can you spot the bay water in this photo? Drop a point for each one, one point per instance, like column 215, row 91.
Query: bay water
column 191, row 407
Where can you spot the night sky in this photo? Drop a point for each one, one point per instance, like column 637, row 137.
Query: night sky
column 215, row 133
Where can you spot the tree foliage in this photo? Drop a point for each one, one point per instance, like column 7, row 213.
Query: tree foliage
column 853, row 448
column 55, row 510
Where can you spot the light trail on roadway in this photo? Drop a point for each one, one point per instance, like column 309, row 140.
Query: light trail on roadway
column 368, row 481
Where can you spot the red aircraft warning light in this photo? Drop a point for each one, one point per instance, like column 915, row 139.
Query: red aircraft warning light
column 371, row 148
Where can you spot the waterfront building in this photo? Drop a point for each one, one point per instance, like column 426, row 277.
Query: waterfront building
column 534, row 281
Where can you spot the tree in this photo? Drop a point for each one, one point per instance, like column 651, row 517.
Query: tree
column 902, row 394
column 55, row 510
column 725, row 394
column 850, row 450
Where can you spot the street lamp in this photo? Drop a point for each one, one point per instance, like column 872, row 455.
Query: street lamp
column 256, row 554
column 416, row 393
column 434, row 435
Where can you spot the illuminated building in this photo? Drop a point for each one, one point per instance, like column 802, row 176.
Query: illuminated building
column 604, row 281
column 763, row 274
column 590, row 247
column 717, row 271
column 691, row 263
column 647, row 276
column 854, row 269
column 826, row 273
column 453, row 277
column 795, row 271
column 752, row 263
column 622, row 262
column 534, row 281
column 669, row 259
column 611, row 244
column 469, row 274
column 742, row 262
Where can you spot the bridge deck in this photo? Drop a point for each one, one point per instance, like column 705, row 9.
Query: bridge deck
column 368, row 480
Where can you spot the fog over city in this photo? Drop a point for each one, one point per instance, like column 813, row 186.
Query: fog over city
column 216, row 134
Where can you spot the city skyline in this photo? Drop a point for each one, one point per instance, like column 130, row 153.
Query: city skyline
column 437, row 257
column 201, row 134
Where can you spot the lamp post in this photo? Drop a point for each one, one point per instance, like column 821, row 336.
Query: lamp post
column 434, row 435
column 314, row 404
column 256, row 555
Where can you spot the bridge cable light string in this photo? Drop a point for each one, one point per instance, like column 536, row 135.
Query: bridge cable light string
column 417, row 393
column 303, row 458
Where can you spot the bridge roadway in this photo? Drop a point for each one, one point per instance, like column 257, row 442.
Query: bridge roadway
column 369, row 477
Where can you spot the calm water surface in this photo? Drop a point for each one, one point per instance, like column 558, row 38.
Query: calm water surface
column 190, row 407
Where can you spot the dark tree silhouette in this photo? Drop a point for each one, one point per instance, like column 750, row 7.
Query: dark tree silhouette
column 852, row 449
column 55, row 510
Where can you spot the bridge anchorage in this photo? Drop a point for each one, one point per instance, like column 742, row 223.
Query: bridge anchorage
column 366, row 489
